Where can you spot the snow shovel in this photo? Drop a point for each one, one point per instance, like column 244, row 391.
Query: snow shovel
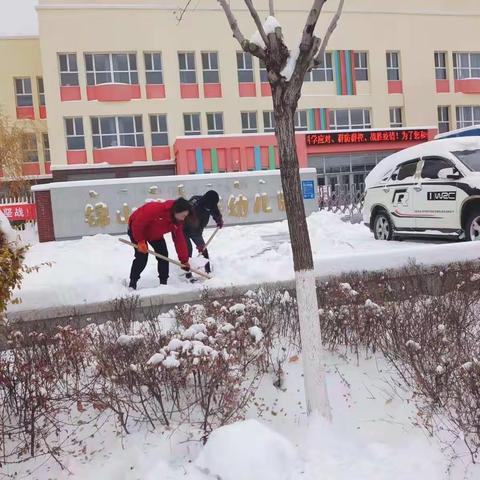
column 175, row 262
column 210, row 239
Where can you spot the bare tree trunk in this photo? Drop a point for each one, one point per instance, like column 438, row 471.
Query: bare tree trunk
column 314, row 370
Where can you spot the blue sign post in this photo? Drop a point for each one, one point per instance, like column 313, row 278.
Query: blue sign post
column 308, row 189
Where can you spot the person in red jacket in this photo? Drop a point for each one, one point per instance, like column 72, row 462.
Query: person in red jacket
column 149, row 223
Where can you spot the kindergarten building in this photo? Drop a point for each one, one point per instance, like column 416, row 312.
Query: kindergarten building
column 124, row 88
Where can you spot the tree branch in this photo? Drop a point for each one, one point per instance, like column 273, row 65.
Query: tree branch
column 310, row 24
column 333, row 24
column 258, row 22
column 271, row 8
column 233, row 24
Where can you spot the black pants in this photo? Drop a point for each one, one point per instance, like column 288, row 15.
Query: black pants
column 141, row 259
column 197, row 239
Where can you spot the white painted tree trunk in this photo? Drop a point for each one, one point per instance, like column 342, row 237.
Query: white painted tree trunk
column 312, row 349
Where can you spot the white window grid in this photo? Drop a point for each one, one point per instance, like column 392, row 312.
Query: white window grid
column 361, row 66
column 263, row 72
column 111, row 74
column 186, row 62
column 249, row 122
column 68, row 69
column 268, row 121
column 153, row 68
column 468, row 116
column 466, row 65
column 245, row 68
column 30, row 149
column 443, row 114
column 119, row 136
column 396, row 117
column 215, row 123
column 46, row 147
column 324, row 71
column 300, row 120
column 159, row 130
column 350, row 119
column 210, row 67
column 393, row 66
column 191, row 122
column 23, row 92
column 441, row 66
column 74, row 133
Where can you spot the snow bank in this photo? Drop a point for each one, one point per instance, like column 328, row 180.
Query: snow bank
column 10, row 235
column 247, row 451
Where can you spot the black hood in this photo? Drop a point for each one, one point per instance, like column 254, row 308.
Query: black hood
column 210, row 199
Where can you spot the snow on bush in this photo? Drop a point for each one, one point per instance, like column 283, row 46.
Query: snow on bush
column 247, row 451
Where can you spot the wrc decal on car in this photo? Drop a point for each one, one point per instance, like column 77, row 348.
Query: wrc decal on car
column 449, row 195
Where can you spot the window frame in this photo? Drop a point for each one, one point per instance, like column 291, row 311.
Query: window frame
column 30, row 155
column 215, row 116
column 77, row 124
column 395, row 112
column 25, row 82
column 334, row 125
column 71, row 72
column 460, row 113
column 441, row 121
column 242, row 67
column 458, row 68
column 206, row 71
column 184, row 72
column 191, row 133
column 441, row 71
column 46, row 147
column 41, row 91
column 157, row 132
column 269, row 123
column 359, row 67
column 299, row 127
column 323, row 72
column 390, row 55
column 249, row 115
column 153, row 71
column 111, row 72
column 136, row 133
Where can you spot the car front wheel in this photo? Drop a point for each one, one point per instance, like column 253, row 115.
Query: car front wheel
column 382, row 227
column 472, row 227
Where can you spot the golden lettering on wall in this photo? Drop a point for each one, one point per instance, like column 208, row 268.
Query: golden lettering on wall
column 124, row 214
column 262, row 203
column 238, row 206
column 98, row 215
column 181, row 191
column 281, row 201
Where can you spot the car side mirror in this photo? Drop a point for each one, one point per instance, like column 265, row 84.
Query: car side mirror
column 449, row 174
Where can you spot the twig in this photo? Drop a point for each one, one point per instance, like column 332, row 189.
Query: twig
column 258, row 22
column 183, row 11
column 233, row 23
column 333, row 24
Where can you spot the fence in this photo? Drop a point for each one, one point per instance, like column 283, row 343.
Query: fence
column 346, row 200
column 20, row 211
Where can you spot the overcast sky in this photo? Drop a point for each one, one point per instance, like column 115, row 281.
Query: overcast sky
column 18, row 17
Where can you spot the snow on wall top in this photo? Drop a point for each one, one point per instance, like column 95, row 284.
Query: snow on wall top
column 160, row 179
column 442, row 147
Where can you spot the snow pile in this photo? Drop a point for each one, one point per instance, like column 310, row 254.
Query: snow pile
column 7, row 230
column 247, row 451
column 129, row 340
column 269, row 26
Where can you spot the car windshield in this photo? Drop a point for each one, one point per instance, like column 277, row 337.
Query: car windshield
column 470, row 158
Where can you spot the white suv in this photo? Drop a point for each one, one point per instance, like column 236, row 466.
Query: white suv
column 432, row 189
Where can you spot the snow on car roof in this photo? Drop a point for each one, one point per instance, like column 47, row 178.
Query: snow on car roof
column 441, row 147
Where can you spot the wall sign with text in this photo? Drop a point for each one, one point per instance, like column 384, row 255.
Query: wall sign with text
column 375, row 136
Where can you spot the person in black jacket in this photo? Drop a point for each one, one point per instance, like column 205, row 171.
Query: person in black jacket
column 202, row 208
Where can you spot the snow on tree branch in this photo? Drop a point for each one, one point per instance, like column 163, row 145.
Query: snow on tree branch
column 256, row 19
column 333, row 24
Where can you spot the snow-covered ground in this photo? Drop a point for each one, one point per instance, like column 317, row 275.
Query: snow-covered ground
column 371, row 438
column 96, row 268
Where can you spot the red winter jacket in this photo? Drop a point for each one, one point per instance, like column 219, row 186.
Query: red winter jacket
column 153, row 220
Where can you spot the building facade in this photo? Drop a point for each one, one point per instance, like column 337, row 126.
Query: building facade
column 123, row 88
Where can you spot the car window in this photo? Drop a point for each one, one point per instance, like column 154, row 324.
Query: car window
column 407, row 170
column 432, row 165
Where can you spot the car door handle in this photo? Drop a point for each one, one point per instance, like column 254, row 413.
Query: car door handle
column 418, row 188
column 386, row 189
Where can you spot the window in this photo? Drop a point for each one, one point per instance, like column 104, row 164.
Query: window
column 191, row 122
column 440, row 66
column 407, row 170
column 468, row 116
column 111, row 68
column 158, row 126
column 153, row 68
column 433, row 165
column 117, row 131
column 30, row 152
column 263, row 72
column 23, row 92
column 68, row 69
column 249, row 122
column 396, row 117
column 268, row 122
column 41, row 91
column 466, row 65
column 46, row 147
column 393, row 66
column 443, row 114
column 74, row 133
column 301, row 120
column 186, row 62
column 215, row 123
column 245, row 67
column 361, row 66
column 210, row 67
column 324, row 71
column 354, row 118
